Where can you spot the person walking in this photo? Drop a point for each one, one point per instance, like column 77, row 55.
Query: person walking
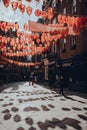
column 51, row 80
column 29, row 79
column 61, row 84
column 33, row 76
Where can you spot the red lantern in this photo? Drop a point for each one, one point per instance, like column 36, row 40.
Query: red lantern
column 50, row 10
column 59, row 18
column 19, row 2
column 29, row 10
column 81, row 21
column 76, row 19
column 16, row 26
column 25, row 26
column 38, row 40
column 72, row 20
column 50, row 16
column 3, row 26
column 14, row 5
column 22, row 8
column 69, row 21
column 64, row 19
column 6, row 3
column 37, row 12
column 44, row 14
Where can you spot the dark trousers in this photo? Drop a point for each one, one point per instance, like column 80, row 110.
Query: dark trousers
column 61, row 91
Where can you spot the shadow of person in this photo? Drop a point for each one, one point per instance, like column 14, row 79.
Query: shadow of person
column 67, row 97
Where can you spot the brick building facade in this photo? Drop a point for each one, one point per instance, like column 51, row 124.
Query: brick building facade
column 72, row 49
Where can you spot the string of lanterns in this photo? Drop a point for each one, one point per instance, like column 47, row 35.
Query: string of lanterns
column 19, row 45
column 78, row 21
column 19, row 63
column 16, row 4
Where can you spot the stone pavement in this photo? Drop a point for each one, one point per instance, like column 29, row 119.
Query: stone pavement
column 24, row 107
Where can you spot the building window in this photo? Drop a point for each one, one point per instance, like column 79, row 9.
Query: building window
column 64, row 45
column 54, row 3
column 64, row 11
column 53, row 48
column 73, row 43
column 74, row 2
column 74, row 7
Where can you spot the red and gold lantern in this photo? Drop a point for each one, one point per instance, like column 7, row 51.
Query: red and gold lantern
column 16, row 26
column 6, row 3
column 22, row 8
column 25, row 26
column 29, row 10
column 50, row 10
column 50, row 16
column 44, row 14
column 3, row 26
column 14, row 5
column 37, row 12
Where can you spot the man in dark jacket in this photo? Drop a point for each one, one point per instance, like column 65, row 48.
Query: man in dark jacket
column 61, row 83
column 51, row 80
column 29, row 79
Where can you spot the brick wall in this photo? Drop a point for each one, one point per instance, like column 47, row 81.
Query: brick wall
column 81, row 40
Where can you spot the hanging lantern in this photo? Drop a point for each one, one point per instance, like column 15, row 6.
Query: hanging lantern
column 42, row 39
column 69, row 21
column 38, row 40
column 50, row 10
column 37, row 12
column 76, row 19
column 18, row 33
column 8, row 39
column 16, row 26
column 22, row 8
column 50, row 16
column 64, row 19
column 19, row 2
column 59, row 18
column 76, row 29
column 29, row 10
column 6, row 3
column 44, row 14
column 25, row 26
column 14, row 5
column 72, row 20
column 3, row 26
column 3, row 39
column 81, row 22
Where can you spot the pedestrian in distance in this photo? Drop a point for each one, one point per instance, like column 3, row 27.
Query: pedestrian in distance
column 30, row 79
column 61, row 84
column 51, row 81
column 33, row 76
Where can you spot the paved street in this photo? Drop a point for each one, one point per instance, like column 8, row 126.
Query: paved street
column 24, row 107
